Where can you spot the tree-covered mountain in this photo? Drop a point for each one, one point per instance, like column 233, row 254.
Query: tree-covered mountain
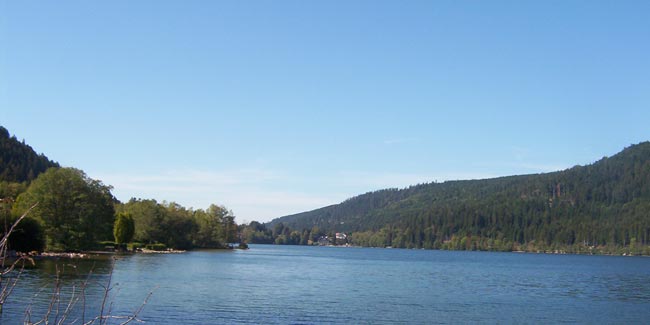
column 18, row 161
column 600, row 207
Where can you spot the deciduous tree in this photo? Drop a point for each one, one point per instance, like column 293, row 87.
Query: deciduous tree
column 73, row 210
column 124, row 228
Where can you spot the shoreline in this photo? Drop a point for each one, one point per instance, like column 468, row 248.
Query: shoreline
column 107, row 254
column 546, row 252
column 94, row 254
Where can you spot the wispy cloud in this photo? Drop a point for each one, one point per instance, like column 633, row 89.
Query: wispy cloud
column 261, row 194
column 194, row 177
column 253, row 194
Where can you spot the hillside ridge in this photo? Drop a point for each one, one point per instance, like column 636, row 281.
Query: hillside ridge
column 18, row 161
column 603, row 203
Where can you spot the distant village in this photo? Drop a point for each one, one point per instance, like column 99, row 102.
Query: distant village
column 339, row 239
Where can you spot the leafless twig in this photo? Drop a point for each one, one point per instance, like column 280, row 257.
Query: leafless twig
column 9, row 285
column 58, row 313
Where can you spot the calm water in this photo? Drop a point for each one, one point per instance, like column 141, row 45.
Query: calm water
column 303, row 285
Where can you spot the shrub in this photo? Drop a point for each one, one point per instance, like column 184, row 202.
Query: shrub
column 156, row 247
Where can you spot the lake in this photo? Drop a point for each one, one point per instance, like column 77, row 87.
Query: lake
column 304, row 285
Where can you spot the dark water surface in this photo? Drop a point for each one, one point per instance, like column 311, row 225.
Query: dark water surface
column 304, row 285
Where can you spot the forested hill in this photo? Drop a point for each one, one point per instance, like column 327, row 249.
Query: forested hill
column 606, row 203
column 18, row 161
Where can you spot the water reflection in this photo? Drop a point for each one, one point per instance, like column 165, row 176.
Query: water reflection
column 55, row 288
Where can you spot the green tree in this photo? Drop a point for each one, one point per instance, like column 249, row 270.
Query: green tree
column 27, row 235
column 256, row 233
column 9, row 190
column 230, row 229
column 304, row 238
column 209, row 223
column 178, row 226
column 148, row 217
column 124, row 228
column 278, row 229
column 73, row 210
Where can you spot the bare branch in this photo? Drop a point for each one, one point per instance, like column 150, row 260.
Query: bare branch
column 5, row 238
column 139, row 310
column 9, row 285
column 107, row 289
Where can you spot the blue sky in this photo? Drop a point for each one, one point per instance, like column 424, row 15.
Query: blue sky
column 277, row 107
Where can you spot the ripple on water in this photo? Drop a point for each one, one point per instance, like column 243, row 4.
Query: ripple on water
column 307, row 285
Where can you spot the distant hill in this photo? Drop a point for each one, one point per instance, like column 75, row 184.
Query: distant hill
column 606, row 203
column 18, row 161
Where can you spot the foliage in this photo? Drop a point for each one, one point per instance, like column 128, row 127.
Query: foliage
column 156, row 247
column 124, row 228
column 19, row 164
column 148, row 217
column 230, row 233
column 177, row 227
column 134, row 246
column 27, row 236
column 603, row 207
column 18, row 161
column 73, row 210
column 210, row 227
column 256, row 233
column 105, row 243
column 11, row 190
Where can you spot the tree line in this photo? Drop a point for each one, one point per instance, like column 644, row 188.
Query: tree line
column 72, row 212
column 175, row 226
column 280, row 234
